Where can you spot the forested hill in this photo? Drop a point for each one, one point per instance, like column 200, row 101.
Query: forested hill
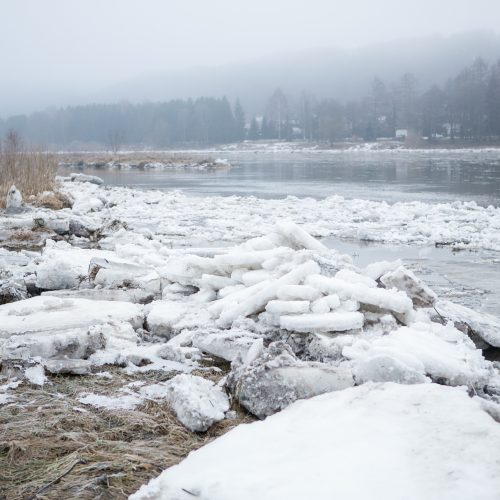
column 467, row 107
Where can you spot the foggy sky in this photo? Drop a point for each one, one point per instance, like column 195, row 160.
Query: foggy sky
column 53, row 49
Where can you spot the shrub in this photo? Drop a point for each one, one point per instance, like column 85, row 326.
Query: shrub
column 32, row 171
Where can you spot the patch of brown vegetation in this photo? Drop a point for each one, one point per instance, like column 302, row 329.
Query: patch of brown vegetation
column 31, row 171
column 139, row 157
column 53, row 447
column 55, row 200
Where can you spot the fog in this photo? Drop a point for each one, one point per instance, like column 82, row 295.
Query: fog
column 57, row 52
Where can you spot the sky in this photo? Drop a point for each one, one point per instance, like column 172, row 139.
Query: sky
column 71, row 46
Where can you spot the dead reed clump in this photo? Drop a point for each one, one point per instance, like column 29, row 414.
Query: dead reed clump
column 31, row 171
column 52, row 446
column 55, row 200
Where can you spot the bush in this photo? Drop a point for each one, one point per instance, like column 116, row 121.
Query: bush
column 31, row 171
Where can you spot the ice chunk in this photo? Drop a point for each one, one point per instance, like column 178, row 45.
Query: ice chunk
column 93, row 179
column 404, row 280
column 71, row 342
column 257, row 302
column 197, row 402
column 424, row 349
column 325, row 304
column 35, row 375
column 276, row 378
column 353, row 277
column 225, row 344
column 163, row 316
column 378, row 440
column 486, row 326
column 45, row 313
column 298, row 238
column 340, row 321
column 298, row 292
column 391, row 300
column 279, row 307
column 252, row 277
column 68, row 366
column 377, row 269
column 14, row 200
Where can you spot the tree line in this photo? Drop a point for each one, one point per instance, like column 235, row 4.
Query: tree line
column 466, row 107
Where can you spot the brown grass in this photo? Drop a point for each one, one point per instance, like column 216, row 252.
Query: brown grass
column 135, row 157
column 51, row 449
column 31, row 171
column 55, row 200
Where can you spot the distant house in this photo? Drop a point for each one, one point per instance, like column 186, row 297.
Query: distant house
column 401, row 133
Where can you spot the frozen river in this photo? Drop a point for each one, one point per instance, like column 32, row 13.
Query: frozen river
column 392, row 175
column 472, row 278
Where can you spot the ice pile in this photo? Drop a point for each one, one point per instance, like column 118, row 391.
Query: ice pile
column 294, row 318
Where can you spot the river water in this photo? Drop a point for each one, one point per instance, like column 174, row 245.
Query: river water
column 392, row 176
column 470, row 278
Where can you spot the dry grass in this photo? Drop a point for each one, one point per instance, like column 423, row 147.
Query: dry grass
column 135, row 157
column 55, row 200
column 31, row 171
column 53, row 447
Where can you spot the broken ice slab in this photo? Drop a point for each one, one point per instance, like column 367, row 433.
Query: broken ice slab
column 197, row 402
column 482, row 325
column 46, row 313
column 340, row 321
column 276, row 378
column 135, row 295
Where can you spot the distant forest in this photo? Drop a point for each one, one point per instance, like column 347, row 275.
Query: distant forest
column 466, row 108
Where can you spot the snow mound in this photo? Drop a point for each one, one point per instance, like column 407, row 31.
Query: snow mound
column 382, row 442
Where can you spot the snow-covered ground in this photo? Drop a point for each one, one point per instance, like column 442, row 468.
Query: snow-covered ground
column 377, row 441
column 156, row 281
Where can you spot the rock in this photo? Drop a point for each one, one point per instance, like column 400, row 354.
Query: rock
column 404, row 280
column 482, row 325
column 197, row 402
column 276, row 378
column 14, row 200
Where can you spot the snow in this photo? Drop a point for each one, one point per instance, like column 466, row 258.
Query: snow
column 14, row 200
column 197, row 402
column 409, row 354
column 378, row 441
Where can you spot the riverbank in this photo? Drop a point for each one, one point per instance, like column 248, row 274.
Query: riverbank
column 150, row 322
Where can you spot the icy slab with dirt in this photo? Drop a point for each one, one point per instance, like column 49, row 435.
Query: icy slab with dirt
column 377, row 441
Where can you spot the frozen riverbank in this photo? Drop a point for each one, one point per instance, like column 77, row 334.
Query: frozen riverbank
column 211, row 311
